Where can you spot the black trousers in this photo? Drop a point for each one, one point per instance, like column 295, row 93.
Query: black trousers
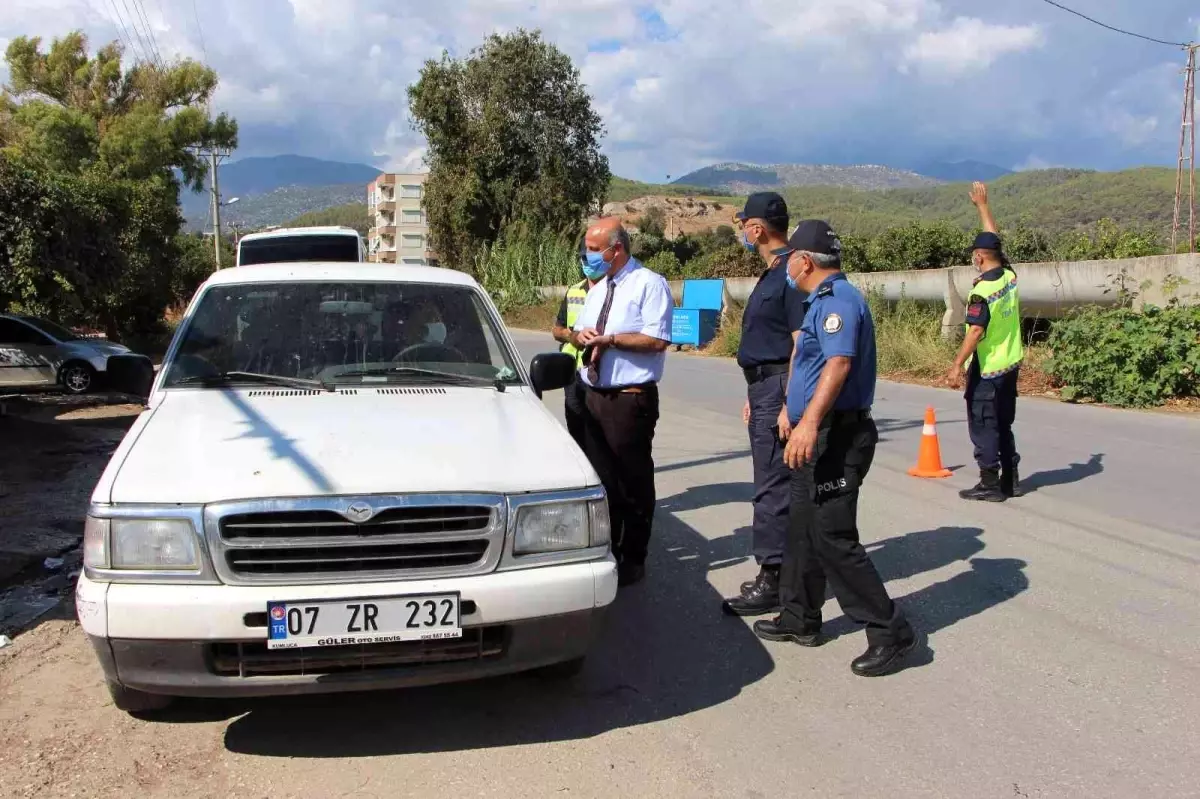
column 772, row 495
column 823, row 544
column 575, row 410
column 991, row 411
column 618, row 434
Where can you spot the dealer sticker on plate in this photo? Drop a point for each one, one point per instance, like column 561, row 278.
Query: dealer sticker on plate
column 339, row 622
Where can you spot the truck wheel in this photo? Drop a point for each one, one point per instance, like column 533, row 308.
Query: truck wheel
column 132, row 701
column 561, row 671
column 77, row 377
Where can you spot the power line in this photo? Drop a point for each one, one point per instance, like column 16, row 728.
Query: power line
column 1111, row 28
column 140, row 8
column 149, row 54
column 127, row 39
column 199, row 31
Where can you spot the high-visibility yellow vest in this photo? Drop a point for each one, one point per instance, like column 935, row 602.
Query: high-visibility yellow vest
column 575, row 297
column 1000, row 350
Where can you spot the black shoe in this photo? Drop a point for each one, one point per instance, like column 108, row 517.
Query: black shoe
column 879, row 660
column 988, row 489
column 630, row 573
column 745, row 587
column 763, row 596
column 1010, row 483
column 770, row 630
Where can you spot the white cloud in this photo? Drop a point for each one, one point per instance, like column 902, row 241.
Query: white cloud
column 679, row 83
column 967, row 45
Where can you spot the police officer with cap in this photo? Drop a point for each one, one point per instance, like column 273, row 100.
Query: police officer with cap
column 830, row 450
column 770, row 325
column 993, row 347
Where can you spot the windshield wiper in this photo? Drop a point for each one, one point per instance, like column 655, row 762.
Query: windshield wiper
column 226, row 378
column 455, row 378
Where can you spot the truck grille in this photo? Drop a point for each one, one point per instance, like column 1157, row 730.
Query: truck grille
column 267, row 543
column 253, row 659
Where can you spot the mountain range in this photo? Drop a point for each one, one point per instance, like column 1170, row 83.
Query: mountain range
column 735, row 177
column 857, row 199
column 274, row 189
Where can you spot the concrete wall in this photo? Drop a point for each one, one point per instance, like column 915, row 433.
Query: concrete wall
column 1047, row 290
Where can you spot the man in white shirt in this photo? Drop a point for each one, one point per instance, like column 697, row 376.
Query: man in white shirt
column 624, row 329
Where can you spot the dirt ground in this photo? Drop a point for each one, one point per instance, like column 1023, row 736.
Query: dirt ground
column 59, row 733
column 52, row 451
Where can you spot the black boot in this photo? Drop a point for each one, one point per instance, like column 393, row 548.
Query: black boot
column 882, row 659
column 988, row 489
column 1010, row 483
column 762, row 596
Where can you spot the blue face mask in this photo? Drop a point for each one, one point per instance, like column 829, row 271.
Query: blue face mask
column 791, row 281
column 749, row 245
column 596, row 267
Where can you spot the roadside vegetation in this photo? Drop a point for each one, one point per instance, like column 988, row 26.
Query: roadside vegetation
column 93, row 155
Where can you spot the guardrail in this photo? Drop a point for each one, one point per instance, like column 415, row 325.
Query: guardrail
column 1048, row 290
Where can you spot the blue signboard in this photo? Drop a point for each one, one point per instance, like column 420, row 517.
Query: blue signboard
column 703, row 295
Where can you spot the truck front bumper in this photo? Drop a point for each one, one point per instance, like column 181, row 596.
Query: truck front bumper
column 210, row 640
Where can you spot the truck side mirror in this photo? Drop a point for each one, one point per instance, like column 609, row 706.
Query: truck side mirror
column 551, row 370
column 130, row 374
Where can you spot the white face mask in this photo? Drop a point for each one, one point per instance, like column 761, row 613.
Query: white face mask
column 435, row 331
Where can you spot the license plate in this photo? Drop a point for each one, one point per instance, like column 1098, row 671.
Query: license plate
column 339, row 622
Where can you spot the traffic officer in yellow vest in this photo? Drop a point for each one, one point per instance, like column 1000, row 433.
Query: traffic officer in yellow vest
column 991, row 353
column 575, row 407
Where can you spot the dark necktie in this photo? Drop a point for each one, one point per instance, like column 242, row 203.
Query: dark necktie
column 593, row 370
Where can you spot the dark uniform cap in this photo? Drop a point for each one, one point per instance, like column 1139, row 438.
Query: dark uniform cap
column 765, row 205
column 986, row 241
column 813, row 235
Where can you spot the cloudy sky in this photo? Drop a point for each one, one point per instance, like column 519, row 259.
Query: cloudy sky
column 686, row 83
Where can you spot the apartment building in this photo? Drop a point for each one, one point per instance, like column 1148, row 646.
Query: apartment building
column 399, row 233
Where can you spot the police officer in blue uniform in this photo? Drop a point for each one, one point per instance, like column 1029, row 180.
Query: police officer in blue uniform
column 830, row 450
column 770, row 325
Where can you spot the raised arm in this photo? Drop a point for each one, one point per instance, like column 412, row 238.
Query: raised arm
column 980, row 198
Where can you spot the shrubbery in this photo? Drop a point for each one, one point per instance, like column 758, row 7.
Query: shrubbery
column 1128, row 358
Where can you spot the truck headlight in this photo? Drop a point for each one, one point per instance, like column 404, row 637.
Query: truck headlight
column 95, row 542
column 552, row 527
column 149, row 544
column 601, row 524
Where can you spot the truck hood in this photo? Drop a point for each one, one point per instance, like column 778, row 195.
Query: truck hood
column 212, row 445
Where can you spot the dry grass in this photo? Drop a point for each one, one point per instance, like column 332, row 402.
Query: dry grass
column 533, row 317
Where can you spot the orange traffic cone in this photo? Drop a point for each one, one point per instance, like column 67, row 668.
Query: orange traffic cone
column 929, row 459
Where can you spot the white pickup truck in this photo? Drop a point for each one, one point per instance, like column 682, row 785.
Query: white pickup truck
column 344, row 479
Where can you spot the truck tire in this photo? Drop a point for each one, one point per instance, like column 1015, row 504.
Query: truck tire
column 134, row 702
column 566, row 670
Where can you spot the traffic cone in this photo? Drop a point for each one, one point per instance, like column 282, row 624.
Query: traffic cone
column 929, row 459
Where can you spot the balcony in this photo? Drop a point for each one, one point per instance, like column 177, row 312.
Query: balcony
column 385, row 257
column 386, row 204
column 383, row 230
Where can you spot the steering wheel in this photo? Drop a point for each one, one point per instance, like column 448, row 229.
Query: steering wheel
column 435, row 348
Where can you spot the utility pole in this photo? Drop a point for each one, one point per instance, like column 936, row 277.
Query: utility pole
column 1187, row 152
column 216, row 207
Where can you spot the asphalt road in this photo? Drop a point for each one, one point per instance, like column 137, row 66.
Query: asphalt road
column 1062, row 661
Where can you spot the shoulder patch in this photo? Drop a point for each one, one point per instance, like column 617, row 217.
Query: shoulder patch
column 832, row 323
column 825, row 290
column 975, row 309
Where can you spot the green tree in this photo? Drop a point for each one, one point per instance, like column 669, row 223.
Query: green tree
column 512, row 139
column 919, row 245
column 1106, row 240
column 88, row 159
column 69, row 112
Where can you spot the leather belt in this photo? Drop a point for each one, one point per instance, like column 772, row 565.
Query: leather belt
column 754, row 374
column 845, row 417
column 638, row 389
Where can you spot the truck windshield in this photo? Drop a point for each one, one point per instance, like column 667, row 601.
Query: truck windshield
column 291, row 249
column 344, row 332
